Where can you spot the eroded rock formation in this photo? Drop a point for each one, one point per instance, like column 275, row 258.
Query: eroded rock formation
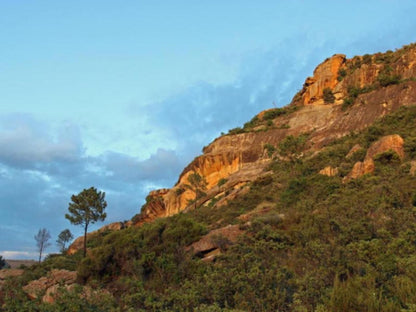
column 387, row 143
column 241, row 157
column 363, row 89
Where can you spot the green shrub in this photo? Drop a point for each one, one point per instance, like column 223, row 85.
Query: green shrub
column 410, row 147
column 270, row 149
column 221, row 182
column 236, row 130
column 292, row 146
column 252, row 123
column 347, row 102
column 387, row 158
column 276, row 112
column 328, row 96
column 342, row 73
column 367, row 59
column 386, row 80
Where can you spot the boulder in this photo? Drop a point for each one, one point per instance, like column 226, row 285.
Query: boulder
column 392, row 142
column 329, row 171
column 47, row 285
column 211, row 244
column 387, row 143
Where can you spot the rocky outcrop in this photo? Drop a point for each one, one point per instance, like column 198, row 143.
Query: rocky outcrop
column 324, row 76
column 360, row 168
column 329, row 171
column 233, row 157
column 241, row 158
column 47, row 286
column 211, row 245
column 392, row 142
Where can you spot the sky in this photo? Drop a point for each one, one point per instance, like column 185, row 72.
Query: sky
column 122, row 95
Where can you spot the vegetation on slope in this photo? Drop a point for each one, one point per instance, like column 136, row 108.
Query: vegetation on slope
column 324, row 245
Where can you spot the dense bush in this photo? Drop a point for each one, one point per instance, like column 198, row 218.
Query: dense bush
column 328, row 96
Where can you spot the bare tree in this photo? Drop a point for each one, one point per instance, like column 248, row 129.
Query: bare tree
column 42, row 241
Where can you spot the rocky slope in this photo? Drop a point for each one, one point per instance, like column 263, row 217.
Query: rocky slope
column 343, row 95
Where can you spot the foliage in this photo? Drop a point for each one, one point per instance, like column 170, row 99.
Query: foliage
column 63, row 238
column 312, row 243
column 410, row 147
column 221, row 182
column 367, row 59
column 386, row 80
column 236, row 130
column 342, row 73
column 87, row 207
column 292, row 146
column 197, row 184
column 42, row 239
column 270, row 149
column 2, row 262
column 328, row 96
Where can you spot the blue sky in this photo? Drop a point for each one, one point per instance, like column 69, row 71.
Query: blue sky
column 121, row 95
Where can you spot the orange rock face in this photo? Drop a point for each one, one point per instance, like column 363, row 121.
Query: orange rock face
column 324, row 76
column 241, row 158
column 392, row 142
column 329, row 171
column 360, row 168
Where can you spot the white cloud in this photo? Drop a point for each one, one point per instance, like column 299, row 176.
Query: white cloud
column 19, row 255
column 26, row 142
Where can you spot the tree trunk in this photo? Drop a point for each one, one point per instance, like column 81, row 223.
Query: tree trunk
column 40, row 252
column 85, row 239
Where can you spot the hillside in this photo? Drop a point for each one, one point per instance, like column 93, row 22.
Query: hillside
column 310, row 207
column 343, row 95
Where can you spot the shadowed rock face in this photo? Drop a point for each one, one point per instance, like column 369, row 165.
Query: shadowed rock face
column 241, row 158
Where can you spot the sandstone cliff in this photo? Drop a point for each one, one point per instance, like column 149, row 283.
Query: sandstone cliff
column 343, row 95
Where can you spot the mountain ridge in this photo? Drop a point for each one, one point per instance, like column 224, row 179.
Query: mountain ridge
column 361, row 89
column 343, row 95
column 310, row 207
